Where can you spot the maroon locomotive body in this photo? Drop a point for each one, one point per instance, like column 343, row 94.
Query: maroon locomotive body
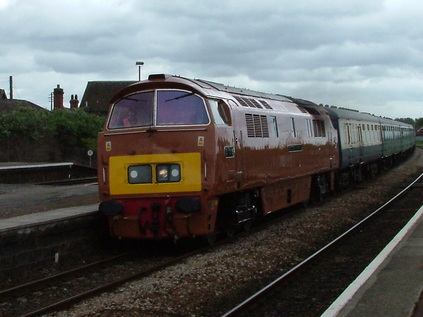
column 187, row 158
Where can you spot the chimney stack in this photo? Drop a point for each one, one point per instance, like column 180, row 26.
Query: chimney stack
column 74, row 102
column 58, row 98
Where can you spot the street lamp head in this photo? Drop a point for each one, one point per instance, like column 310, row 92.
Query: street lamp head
column 139, row 63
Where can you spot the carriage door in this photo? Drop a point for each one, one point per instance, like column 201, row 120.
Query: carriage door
column 360, row 141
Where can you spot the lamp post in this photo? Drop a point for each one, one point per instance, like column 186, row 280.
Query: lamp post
column 139, row 64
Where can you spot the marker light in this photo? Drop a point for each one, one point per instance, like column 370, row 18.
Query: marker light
column 168, row 173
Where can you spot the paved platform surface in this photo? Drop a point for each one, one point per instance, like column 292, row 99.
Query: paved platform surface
column 22, row 199
column 392, row 284
column 21, row 222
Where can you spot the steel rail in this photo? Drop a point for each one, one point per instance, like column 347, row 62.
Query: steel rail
column 112, row 285
column 241, row 306
column 36, row 283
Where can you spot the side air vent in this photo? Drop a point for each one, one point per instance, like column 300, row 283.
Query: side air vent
column 250, row 125
column 257, row 126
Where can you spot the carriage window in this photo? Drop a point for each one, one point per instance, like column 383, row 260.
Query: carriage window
column 133, row 111
column 176, row 107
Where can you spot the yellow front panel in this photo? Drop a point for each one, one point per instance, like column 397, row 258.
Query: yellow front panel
column 190, row 173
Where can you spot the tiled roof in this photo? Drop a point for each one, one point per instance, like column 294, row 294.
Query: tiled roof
column 97, row 95
column 9, row 105
column 3, row 94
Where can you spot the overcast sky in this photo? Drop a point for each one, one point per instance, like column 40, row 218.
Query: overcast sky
column 361, row 54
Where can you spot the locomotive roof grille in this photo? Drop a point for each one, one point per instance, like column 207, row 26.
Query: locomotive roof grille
column 302, row 109
column 312, row 111
column 252, row 103
column 265, row 104
column 255, row 103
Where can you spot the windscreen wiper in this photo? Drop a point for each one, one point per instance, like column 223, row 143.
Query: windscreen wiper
column 180, row 97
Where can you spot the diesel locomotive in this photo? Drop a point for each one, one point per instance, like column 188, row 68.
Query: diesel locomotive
column 185, row 157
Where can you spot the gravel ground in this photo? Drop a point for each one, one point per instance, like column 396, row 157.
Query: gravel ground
column 210, row 284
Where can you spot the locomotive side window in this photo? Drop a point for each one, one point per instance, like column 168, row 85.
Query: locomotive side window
column 224, row 112
column 273, row 127
column 309, row 128
column 133, row 111
column 221, row 112
column 293, row 130
column 177, row 107
column 319, row 128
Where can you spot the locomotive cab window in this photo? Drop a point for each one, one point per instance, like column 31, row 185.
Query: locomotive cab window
column 133, row 111
column 158, row 108
column 178, row 107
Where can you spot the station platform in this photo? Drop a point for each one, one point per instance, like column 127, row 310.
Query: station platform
column 392, row 284
column 25, row 173
column 38, row 238
column 42, row 218
column 39, row 221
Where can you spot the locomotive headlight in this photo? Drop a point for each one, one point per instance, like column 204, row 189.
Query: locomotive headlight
column 139, row 174
column 168, row 173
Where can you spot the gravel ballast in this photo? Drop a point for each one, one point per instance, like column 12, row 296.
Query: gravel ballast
column 210, row 284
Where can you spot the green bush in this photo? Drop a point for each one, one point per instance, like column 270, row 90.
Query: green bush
column 25, row 130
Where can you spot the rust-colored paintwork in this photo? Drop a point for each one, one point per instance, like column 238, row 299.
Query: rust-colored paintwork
column 278, row 166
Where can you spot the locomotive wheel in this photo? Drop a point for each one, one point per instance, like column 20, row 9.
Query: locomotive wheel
column 230, row 231
column 210, row 239
column 247, row 225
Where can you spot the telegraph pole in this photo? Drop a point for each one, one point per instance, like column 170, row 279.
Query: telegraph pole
column 11, row 87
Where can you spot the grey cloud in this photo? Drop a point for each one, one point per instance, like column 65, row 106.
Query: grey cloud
column 351, row 52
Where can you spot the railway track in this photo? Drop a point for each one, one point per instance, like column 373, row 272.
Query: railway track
column 60, row 291
column 64, row 289
column 62, row 301
column 312, row 285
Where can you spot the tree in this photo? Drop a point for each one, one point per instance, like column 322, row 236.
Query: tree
column 419, row 123
column 20, row 129
column 407, row 120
